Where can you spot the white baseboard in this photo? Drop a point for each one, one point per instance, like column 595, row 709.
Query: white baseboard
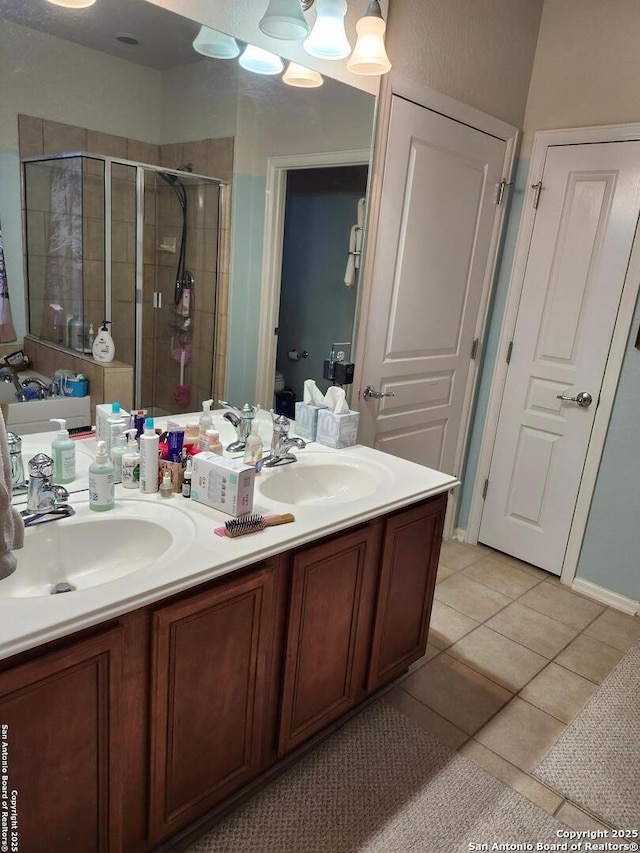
column 606, row 596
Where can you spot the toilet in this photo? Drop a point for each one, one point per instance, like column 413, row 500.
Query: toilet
column 278, row 382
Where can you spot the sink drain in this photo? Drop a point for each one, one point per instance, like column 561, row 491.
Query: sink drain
column 62, row 587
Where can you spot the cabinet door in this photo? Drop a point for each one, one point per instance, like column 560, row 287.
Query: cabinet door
column 330, row 616
column 209, row 683
column 410, row 556
column 59, row 749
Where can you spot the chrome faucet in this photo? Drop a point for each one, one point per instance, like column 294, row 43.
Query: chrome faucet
column 242, row 422
column 281, row 443
column 45, row 501
column 44, row 390
column 8, row 374
column 18, row 482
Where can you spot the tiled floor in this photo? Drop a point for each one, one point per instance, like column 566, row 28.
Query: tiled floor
column 512, row 657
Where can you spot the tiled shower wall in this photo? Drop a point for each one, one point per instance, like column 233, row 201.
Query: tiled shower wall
column 204, row 257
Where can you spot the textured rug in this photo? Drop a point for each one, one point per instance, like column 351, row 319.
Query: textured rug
column 380, row 785
column 596, row 761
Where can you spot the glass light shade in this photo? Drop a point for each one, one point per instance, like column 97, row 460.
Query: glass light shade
column 216, row 45
column 369, row 55
column 260, row 61
column 328, row 39
column 284, row 20
column 73, row 4
column 303, row 78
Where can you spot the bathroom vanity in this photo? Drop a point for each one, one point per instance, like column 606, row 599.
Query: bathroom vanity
column 141, row 709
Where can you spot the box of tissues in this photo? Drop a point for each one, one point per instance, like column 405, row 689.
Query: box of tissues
column 337, row 425
column 307, row 411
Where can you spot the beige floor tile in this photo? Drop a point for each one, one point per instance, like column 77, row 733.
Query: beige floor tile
column 471, row 598
column 619, row 630
column 430, row 653
column 457, row 555
column 521, row 733
column 427, row 719
column 559, row 692
column 498, row 658
column 590, row 658
column 575, row 818
column 561, row 604
column 501, row 576
column 529, row 787
column 456, row 692
column 534, row 630
column 534, row 571
column 448, row 625
column 443, row 573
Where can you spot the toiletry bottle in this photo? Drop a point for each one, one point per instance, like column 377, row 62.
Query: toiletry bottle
column 101, row 481
column 206, row 421
column 131, row 462
column 77, row 334
column 104, row 348
column 63, row 451
column 149, row 446
column 186, row 480
column 115, row 426
column 118, row 450
column 91, row 337
column 214, row 445
column 253, row 450
column 166, row 486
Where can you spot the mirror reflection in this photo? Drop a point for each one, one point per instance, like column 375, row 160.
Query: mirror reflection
column 163, row 136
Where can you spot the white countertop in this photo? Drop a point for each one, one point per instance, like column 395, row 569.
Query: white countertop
column 29, row 621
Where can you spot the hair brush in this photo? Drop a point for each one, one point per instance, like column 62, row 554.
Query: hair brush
column 252, row 524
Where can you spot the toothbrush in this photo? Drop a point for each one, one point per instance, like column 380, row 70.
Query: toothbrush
column 252, row 524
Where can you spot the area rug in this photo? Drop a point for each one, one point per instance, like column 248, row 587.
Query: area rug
column 380, row 785
column 596, row 761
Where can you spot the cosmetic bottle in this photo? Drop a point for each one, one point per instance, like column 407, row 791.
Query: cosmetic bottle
column 214, row 445
column 149, row 447
column 101, row 481
column 186, row 480
column 103, row 348
column 253, row 450
column 166, row 486
column 206, row 421
column 118, row 450
column 131, row 462
column 63, row 451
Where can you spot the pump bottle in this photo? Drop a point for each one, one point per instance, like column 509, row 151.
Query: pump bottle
column 149, row 447
column 253, row 450
column 101, row 481
column 118, row 450
column 206, row 421
column 103, row 348
column 131, row 462
column 63, row 451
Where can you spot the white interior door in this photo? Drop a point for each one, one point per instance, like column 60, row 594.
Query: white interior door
column 580, row 247
column 433, row 262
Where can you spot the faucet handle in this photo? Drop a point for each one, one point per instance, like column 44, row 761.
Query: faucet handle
column 247, row 410
column 41, row 465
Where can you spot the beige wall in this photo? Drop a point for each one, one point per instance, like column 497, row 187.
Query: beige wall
column 587, row 66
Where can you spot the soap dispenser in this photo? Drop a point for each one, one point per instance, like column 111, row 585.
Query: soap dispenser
column 104, row 348
column 206, row 421
column 63, row 451
column 101, row 481
column 131, row 461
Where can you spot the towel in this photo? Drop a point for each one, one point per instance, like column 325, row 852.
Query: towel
column 12, row 526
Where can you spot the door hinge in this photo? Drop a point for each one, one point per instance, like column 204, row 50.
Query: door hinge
column 485, row 489
column 536, row 195
column 474, row 349
column 509, row 351
column 276, row 330
column 500, row 190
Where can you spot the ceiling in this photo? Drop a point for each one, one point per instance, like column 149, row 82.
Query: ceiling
column 165, row 38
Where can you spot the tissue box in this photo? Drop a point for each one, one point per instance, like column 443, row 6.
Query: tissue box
column 337, row 430
column 224, row 484
column 307, row 420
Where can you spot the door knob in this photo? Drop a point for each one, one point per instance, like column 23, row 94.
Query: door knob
column 583, row 399
column 370, row 393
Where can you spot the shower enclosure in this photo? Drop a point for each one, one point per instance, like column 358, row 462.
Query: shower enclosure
column 134, row 244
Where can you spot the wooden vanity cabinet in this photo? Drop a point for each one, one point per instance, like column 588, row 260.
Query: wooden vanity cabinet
column 60, row 747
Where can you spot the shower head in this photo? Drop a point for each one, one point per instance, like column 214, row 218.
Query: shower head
column 188, row 167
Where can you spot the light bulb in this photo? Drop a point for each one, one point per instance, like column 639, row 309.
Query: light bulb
column 369, row 55
column 303, row 78
column 328, row 39
column 216, row 45
column 260, row 61
column 73, row 4
column 284, row 20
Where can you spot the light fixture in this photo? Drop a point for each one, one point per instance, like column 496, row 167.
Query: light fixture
column 284, row 20
column 260, row 61
column 216, row 45
column 369, row 55
column 73, row 4
column 303, row 78
column 328, row 39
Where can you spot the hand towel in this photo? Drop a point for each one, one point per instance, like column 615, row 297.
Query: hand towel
column 12, row 526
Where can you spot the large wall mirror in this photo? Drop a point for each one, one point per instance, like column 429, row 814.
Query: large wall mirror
column 122, row 80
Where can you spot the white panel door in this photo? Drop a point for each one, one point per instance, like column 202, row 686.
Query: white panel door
column 433, row 255
column 580, row 247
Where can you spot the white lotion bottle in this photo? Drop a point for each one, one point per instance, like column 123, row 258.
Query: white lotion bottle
column 103, row 348
column 131, row 462
column 206, row 421
column 101, row 481
column 149, row 449
column 63, row 451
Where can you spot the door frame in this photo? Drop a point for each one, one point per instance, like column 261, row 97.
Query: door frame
column 424, row 96
column 276, row 197
column 542, row 141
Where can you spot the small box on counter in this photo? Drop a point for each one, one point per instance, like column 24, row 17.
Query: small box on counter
column 224, row 484
column 337, row 430
column 306, row 420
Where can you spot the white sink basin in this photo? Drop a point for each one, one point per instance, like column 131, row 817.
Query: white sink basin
column 90, row 548
column 322, row 479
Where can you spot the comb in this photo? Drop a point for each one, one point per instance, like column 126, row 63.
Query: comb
column 252, row 524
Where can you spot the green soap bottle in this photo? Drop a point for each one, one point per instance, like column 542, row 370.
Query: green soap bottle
column 63, row 451
column 101, row 481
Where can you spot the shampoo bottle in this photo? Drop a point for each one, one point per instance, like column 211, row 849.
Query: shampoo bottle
column 101, row 481
column 206, row 421
column 149, row 448
column 104, row 348
column 131, row 462
column 118, row 450
column 63, row 451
